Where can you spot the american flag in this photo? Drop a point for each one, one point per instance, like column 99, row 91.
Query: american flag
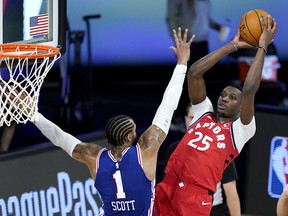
column 39, row 25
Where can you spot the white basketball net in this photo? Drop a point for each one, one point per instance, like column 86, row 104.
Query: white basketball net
column 24, row 76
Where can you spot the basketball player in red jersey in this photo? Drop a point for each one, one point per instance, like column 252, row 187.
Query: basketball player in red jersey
column 212, row 141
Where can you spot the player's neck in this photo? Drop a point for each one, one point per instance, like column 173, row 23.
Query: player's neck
column 117, row 152
column 221, row 119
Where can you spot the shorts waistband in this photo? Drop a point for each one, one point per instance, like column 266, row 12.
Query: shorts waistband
column 177, row 183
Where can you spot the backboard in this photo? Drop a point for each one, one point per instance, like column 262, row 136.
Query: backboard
column 34, row 21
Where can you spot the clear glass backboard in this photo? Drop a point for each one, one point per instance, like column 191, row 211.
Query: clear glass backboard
column 34, row 21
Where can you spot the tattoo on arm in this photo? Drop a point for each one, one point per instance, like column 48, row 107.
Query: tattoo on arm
column 84, row 150
column 153, row 137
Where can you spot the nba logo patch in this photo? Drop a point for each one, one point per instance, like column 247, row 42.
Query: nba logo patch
column 278, row 168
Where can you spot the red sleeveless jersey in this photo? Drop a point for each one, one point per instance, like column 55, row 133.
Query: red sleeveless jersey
column 203, row 153
column 207, row 148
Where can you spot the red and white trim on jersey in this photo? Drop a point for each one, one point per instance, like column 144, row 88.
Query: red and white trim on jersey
column 98, row 157
column 151, row 209
column 139, row 155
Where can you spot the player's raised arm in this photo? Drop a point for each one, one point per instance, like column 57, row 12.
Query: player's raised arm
column 83, row 152
column 170, row 99
column 154, row 136
column 253, row 78
column 196, row 84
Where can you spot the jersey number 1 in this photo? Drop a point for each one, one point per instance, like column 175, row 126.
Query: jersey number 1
column 120, row 192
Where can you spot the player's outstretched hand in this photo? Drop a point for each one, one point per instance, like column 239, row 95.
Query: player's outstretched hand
column 182, row 49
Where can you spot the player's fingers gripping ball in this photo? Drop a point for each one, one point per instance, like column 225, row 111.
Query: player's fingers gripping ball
column 250, row 26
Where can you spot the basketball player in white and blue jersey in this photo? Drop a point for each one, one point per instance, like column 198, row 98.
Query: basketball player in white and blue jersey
column 125, row 174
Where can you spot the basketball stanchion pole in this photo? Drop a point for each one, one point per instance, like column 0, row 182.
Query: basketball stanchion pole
column 64, row 62
column 65, row 89
column 87, row 19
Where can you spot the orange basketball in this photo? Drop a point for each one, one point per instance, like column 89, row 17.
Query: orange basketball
column 250, row 26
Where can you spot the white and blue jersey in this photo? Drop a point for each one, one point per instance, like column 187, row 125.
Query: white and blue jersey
column 123, row 186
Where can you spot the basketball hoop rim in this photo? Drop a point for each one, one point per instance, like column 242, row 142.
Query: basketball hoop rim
column 9, row 51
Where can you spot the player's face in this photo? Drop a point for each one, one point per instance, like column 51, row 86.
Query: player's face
column 229, row 102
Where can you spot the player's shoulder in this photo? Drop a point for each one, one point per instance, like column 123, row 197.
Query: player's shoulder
column 153, row 136
column 237, row 124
